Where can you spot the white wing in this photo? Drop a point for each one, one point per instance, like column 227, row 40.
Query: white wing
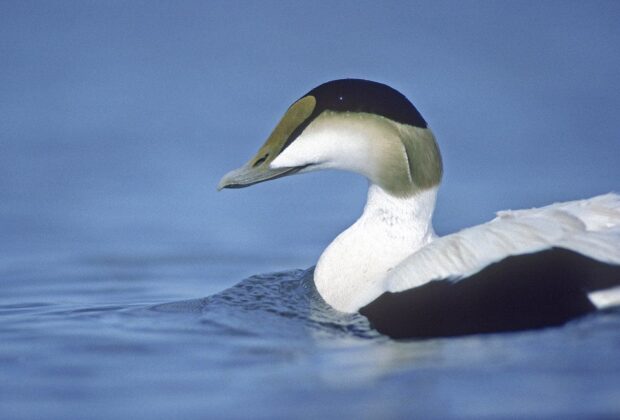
column 590, row 227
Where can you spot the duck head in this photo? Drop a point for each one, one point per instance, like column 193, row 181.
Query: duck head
column 354, row 125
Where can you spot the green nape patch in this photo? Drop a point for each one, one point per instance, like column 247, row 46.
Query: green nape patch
column 413, row 165
column 424, row 158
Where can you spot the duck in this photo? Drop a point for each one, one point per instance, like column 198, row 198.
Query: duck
column 524, row 269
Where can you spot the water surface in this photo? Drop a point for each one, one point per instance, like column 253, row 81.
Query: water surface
column 104, row 336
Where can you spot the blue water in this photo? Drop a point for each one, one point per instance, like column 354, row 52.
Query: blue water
column 103, row 337
column 129, row 288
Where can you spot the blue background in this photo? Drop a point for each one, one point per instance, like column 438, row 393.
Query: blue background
column 117, row 119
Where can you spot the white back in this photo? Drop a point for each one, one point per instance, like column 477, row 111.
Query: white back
column 590, row 227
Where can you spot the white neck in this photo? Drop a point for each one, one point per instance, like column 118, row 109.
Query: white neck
column 350, row 272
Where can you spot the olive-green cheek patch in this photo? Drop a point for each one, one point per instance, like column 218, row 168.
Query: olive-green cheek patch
column 293, row 118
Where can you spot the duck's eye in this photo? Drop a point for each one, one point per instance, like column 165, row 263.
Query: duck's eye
column 261, row 160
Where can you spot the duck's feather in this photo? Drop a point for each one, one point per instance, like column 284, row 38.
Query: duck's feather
column 541, row 289
column 524, row 269
column 590, row 227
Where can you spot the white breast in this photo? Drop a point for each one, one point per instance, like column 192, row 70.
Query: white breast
column 351, row 270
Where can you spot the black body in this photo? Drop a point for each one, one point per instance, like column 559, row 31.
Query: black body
column 542, row 289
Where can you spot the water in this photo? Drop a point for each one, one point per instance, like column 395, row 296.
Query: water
column 117, row 256
column 100, row 337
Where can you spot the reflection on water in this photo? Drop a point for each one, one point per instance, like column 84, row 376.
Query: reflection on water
column 98, row 338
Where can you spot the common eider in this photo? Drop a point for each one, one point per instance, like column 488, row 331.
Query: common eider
column 524, row 269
